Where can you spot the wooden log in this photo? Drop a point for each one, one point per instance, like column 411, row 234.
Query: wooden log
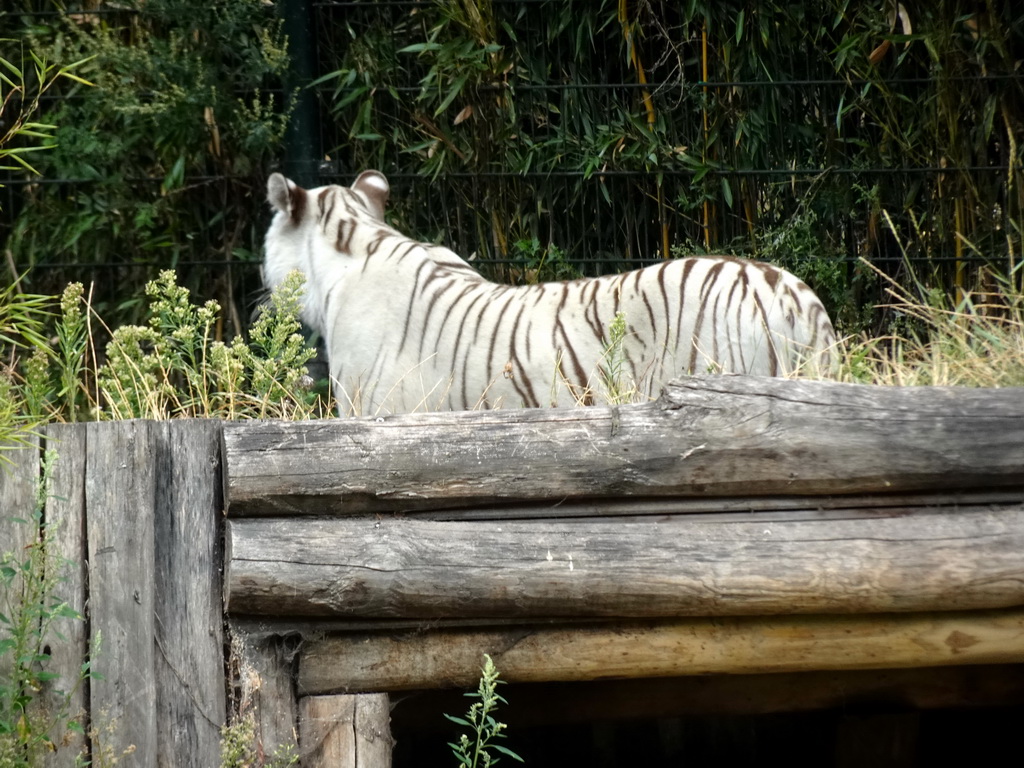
column 699, row 646
column 69, row 640
column 707, row 436
column 968, row 558
column 264, row 671
column 191, row 702
column 120, row 487
column 346, row 731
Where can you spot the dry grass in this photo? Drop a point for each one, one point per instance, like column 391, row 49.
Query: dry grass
column 977, row 341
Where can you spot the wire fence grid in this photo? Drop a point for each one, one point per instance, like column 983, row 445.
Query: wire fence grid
column 585, row 141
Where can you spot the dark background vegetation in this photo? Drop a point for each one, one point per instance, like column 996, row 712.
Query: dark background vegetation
column 545, row 138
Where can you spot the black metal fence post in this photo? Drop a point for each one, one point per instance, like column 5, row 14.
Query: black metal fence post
column 302, row 151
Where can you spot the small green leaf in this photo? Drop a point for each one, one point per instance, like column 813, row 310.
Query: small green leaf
column 78, row 79
column 727, row 191
column 13, row 69
column 507, row 751
column 420, row 48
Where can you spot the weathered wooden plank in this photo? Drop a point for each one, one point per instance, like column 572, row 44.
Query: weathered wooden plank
column 120, row 488
column 950, row 560
column 346, row 731
column 265, row 671
column 19, row 528
column 19, row 477
column 191, row 706
column 706, row 436
column 65, row 520
column 327, row 731
column 698, row 646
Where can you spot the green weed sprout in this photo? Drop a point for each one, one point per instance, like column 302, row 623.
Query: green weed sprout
column 617, row 391
column 472, row 750
column 30, row 614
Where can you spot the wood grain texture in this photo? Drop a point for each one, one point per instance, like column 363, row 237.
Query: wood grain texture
column 700, row 646
column 345, row 731
column 707, row 436
column 120, row 488
column 19, row 528
column 265, row 671
column 969, row 558
column 191, row 704
column 19, row 476
column 65, row 517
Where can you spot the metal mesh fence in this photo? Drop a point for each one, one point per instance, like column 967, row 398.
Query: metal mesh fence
column 548, row 139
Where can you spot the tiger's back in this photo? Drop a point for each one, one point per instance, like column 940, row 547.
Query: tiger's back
column 410, row 326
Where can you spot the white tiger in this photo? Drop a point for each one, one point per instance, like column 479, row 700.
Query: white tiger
column 410, row 326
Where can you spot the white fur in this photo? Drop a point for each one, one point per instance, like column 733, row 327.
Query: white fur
column 414, row 327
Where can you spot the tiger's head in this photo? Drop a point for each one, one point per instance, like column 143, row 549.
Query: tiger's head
column 312, row 231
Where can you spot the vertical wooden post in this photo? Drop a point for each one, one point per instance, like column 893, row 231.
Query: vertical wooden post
column 346, row 731
column 191, row 697
column 64, row 517
column 153, row 512
column 265, row 670
column 120, row 490
column 19, row 473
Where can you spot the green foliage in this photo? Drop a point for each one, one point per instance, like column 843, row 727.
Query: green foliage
column 185, row 92
column 617, row 390
column 72, row 341
column 480, row 108
column 799, row 246
column 472, row 750
column 534, row 263
column 30, row 615
column 23, row 82
column 22, row 327
column 239, row 749
column 606, row 128
column 172, row 367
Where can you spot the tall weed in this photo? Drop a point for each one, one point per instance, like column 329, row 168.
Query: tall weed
column 30, row 614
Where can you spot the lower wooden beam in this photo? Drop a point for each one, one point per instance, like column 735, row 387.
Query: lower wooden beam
column 735, row 645
column 345, row 731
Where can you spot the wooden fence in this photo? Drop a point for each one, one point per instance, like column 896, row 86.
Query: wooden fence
column 736, row 525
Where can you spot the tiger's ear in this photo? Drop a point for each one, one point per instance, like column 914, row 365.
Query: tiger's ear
column 374, row 186
column 286, row 196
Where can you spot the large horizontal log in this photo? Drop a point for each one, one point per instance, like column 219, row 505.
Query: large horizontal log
column 968, row 558
column 706, row 436
column 736, row 645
